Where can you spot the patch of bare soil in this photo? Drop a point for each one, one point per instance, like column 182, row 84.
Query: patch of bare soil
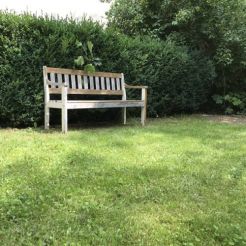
column 235, row 119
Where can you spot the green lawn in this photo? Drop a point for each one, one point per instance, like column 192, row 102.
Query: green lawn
column 178, row 181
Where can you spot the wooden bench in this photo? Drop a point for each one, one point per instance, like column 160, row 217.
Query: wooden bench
column 67, row 81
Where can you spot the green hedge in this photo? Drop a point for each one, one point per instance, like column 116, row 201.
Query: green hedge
column 179, row 79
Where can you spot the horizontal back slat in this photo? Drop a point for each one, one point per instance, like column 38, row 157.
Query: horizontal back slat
column 81, row 72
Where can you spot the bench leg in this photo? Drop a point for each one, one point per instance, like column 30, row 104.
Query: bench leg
column 144, row 108
column 46, row 118
column 124, row 116
column 64, row 120
column 143, row 115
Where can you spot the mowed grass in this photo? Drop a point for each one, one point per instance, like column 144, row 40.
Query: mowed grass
column 177, row 181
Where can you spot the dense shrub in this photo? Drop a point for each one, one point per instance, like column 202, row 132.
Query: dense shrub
column 179, row 79
column 26, row 44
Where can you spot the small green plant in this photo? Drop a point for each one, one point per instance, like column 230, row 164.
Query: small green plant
column 231, row 103
column 87, row 61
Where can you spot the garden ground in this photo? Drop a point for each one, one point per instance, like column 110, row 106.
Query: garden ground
column 177, row 181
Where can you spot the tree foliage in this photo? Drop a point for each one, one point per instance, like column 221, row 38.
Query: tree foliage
column 216, row 27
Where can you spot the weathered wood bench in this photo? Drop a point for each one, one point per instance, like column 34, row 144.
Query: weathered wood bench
column 67, row 81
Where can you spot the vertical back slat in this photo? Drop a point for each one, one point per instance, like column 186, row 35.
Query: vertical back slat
column 67, row 79
column 85, row 82
column 59, row 80
column 122, row 82
column 108, row 83
column 113, row 84
column 123, row 90
column 97, row 83
column 91, row 82
column 52, row 79
column 79, row 82
column 73, row 82
column 102, row 83
column 118, row 84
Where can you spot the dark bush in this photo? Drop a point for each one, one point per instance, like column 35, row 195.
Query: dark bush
column 179, row 80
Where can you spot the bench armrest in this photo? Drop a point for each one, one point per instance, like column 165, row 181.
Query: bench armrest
column 143, row 91
column 135, row 86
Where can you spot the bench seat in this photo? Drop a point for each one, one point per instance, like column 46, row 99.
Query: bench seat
column 72, row 104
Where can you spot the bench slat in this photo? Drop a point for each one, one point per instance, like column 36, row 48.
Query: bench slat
column 79, row 82
column 73, row 82
column 97, row 83
column 108, row 84
column 104, row 104
column 59, row 80
column 102, row 83
column 91, row 78
column 113, row 84
column 81, row 72
column 85, row 82
column 85, row 92
column 67, row 79
column 118, row 84
column 52, row 79
column 97, row 104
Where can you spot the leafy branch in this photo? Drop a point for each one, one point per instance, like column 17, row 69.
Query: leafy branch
column 87, row 61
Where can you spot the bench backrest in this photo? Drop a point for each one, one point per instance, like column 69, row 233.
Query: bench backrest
column 80, row 82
